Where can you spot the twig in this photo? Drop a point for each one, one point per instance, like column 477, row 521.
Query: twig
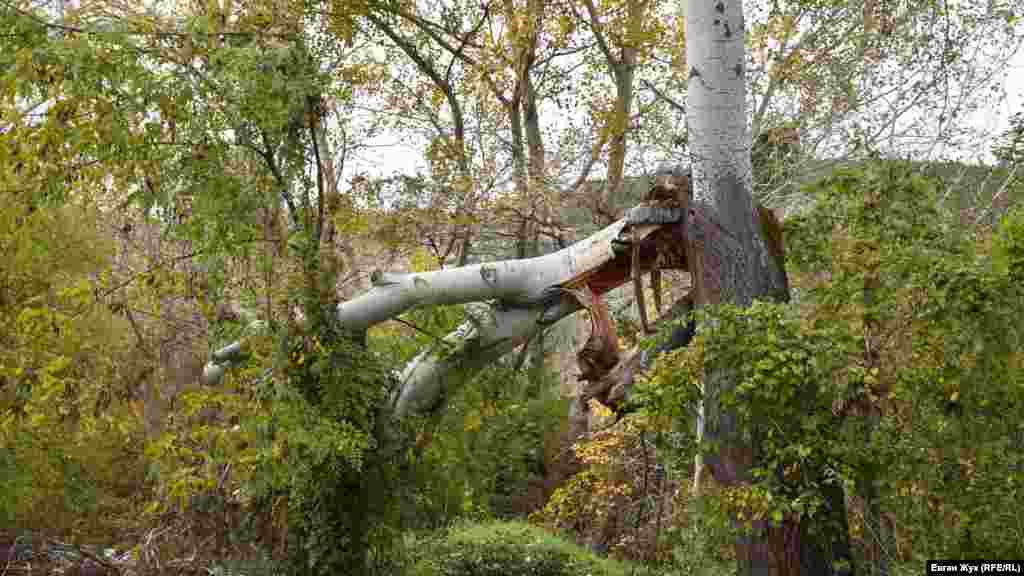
column 662, row 96
column 424, row 332
column 150, row 270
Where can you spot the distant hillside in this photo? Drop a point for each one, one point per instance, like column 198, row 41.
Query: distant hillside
column 966, row 187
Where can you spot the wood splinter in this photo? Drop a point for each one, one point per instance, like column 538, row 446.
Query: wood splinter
column 671, row 189
column 638, row 289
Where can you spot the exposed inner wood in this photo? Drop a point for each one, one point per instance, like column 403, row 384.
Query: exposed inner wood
column 638, row 288
column 601, row 351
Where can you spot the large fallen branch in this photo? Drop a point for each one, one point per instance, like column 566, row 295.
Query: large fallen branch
column 493, row 332
column 522, row 296
column 510, row 300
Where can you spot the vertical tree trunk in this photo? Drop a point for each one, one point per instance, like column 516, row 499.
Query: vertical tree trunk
column 737, row 266
column 622, row 69
column 539, row 207
column 624, row 75
column 519, row 176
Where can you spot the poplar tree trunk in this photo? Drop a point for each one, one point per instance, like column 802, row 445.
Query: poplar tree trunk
column 737, row 265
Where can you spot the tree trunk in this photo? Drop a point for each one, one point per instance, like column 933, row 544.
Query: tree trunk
column 738, row 268
column 622, row 69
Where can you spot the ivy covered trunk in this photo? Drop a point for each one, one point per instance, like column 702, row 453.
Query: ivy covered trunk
column 737, row 266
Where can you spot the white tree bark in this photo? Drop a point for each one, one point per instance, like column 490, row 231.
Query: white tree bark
column 493, row 332
column 717, row 118
column 737, row 266
column 523, row 296
column 513, row 282
column 719, row 140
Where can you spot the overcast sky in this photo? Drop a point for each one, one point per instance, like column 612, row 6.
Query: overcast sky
column 1015, row 94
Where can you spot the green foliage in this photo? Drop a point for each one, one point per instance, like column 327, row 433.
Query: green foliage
column 952, row 313
column 306, row 443
column 63, row 415
column 309, row 458
column 702, row 541
column 1011, row 148
column 501, row 548
column 340, row 478
column 778, row 407
column 894, row 378
column 1008, row 251
column 479, row 457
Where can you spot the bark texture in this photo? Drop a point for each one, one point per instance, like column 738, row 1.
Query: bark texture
column 514, row 299
column 737, row 265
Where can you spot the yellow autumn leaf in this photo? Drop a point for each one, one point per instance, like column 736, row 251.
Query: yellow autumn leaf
column 472, row 422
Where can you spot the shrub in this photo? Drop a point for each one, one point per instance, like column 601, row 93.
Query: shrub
column 501, row 548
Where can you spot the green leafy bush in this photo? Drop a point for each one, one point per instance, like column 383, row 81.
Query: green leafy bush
column 313, row 458
column 504, row 548
column 481, row 457
column 480, row 454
